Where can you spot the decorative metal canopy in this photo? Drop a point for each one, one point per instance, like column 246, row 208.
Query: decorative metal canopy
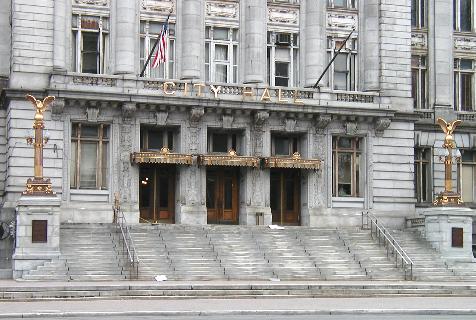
column 295, row 161
column 231, row 160
column 164, row 156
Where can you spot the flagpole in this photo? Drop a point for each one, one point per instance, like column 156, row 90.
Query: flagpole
column 333, row 58
column 153, row 48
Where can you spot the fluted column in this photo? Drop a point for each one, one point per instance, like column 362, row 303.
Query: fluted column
column 254, row 41
column 59, row 35
column 126, row 35
column 314, row 13
column 440, row 49
column 192, row 37
column 370, row 45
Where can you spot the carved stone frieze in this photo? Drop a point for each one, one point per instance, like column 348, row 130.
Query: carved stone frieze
column 94, row 81
column 164, row 6
column 419, row 40
column 289, row 124
column 322, row 121
column 227, row 121
column 101, row 3
column 261, row 117
column 218, row 9
column 340, row 21
column 161, row 118
column 57, row 107
column 128, row 109
column 350, row 128
column 283, row 15
column 92, row 114
column 381, row 124
column 465, row 43
column 196, row 114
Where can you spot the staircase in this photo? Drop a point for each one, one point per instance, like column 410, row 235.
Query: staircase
column 88, row 254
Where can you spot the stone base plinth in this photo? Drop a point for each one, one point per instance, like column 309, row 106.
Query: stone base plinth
column 253, row 216
column 191, row 215
column 31, row 252
column 441, row 223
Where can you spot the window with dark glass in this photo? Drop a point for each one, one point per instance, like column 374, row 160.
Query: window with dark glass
column 423, row 175
column 343, row 72
column 347, row 4
column 418, row 14
column 155, row 139
column 464, row 84
column 346, row 166
column 463, row 15
column 89, row 156
column 90, row 45
column 468, row 175
column 284, row 145
column 283, row 59
column 419, row 83
column 149, row 31
column 223, row 142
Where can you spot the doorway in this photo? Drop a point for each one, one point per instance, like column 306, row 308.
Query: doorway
column 285, row 196
column 222, row 196
column 157, row 193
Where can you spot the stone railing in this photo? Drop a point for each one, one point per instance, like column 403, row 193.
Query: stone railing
column 425, row 113
column 467, row 116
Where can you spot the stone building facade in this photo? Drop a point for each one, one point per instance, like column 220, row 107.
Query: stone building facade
column 230, row 129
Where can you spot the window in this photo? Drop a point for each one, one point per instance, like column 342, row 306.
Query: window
column 423, row 175
column 223, row 142
column 285, row 1
column 346, row 167
column 155, row 139
column 89, row 156
column 343, row 73
column 283, row 59
column 221, row 54
column 464, row 84
column 462, row 15
column 347, row 4
column 468, row 175
column 149, row 31
column 419, row 87
column 90, row 44
column 284, row 145
column 418, row 14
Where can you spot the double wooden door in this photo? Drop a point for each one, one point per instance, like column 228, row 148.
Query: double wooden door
column 157, row 193
column 285, row 196
column 222, row 196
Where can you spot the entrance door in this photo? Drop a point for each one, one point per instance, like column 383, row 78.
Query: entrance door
column 285, row 196
column 222, row 196
column 156, row 194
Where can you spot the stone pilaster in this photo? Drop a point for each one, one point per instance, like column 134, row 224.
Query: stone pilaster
column 126, row 33
column 370, row 45
column 191, row 18
column 5, row 37
column 314, row 13
column 59, row 36
column 440, row 51
column 254, row 18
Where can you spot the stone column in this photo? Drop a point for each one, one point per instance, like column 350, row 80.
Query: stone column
column 314, row 13
column 370, row 45
column 440, row 50
column 126, row 33
column 254, row 12
column 59, row 36
column 29, row 253
column 192, row 37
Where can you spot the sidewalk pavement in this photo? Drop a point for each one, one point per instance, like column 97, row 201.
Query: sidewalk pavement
column 194, row 307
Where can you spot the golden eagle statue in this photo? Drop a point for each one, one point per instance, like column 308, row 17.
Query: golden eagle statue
column 448, row 128
column 40, row 106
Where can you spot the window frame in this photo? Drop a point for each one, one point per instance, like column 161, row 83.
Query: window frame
column 233, row 52
column 349, row 4
column 234, row 139
column 423, row 164
column 102, row 55
column 419, row 14
column 147, row 39
column 457, row 80
column 168, row 138
column 293, row 62
column 465, row 163
column 103, row 145
column 357, row 174
column 352, row 64
column 420, row 101
column 457, row 16
column 293, row 144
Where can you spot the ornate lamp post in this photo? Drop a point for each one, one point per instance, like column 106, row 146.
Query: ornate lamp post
column 448, row 197
column 38, row 186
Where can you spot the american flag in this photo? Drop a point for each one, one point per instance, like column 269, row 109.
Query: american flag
column 160, row 55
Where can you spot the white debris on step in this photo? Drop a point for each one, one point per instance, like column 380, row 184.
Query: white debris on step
column 274, row 279
column 276, row 227
column 161, row 277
